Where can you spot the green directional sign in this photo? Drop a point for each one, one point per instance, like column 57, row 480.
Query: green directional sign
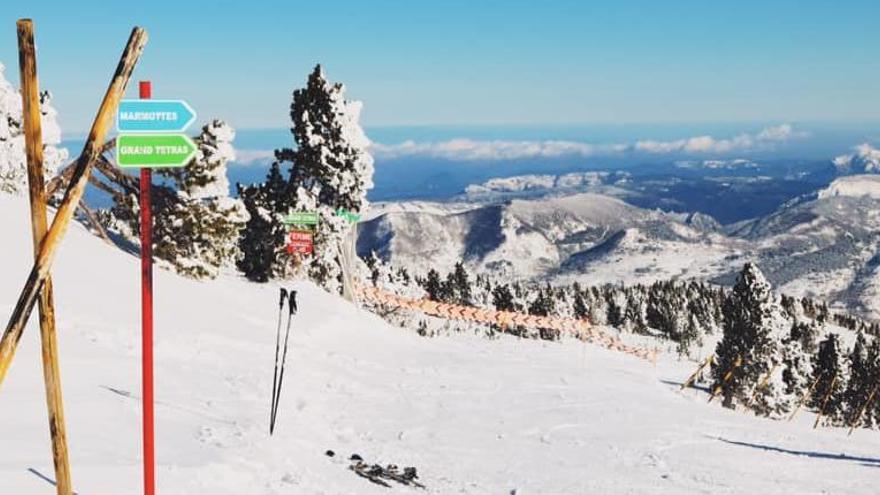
column 351, row 217
column 302, row 218
column 154, row 150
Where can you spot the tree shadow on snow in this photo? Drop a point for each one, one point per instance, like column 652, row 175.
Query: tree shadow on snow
column 865, row 461
column 702, row 388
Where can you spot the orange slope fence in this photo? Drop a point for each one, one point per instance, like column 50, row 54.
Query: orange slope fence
column 504, row 319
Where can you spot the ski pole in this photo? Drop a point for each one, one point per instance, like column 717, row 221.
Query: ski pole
column 292, row 311
column 277, row 344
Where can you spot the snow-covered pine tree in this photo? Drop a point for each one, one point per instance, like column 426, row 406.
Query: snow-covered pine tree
column 580, row 308
column 13, row 164
column 864, row 368
column 502, row 298
column 827, row 374
column 263, row 238
column 858, row 379
column 433, row 285
column 796, row 358
column 753, row 320
column 196, row 224
column 461, row 285
column 332, row 169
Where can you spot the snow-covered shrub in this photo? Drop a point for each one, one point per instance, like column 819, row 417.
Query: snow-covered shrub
column 13, row 165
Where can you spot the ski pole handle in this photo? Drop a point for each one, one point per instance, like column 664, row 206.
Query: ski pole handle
column 283, row 298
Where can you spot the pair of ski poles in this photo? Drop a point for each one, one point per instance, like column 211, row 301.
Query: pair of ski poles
column 278, row 379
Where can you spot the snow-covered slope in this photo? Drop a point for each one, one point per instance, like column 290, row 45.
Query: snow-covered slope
column 473, row 415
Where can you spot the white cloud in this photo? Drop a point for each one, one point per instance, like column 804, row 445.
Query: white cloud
column 708, row 144
column 473, row 150
column 493, row 150
column 249, row 157
column 865, row 159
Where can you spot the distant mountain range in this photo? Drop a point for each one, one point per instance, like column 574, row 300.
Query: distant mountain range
column 824, row 244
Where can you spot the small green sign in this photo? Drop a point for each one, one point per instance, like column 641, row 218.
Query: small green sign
column 154, row 150
column 351, row 217
column 302, row 218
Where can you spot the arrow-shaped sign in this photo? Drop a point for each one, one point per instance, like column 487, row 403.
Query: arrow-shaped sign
column 154, row 150
column 154, row 116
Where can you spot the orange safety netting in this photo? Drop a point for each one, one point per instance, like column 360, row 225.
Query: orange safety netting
column 504, row 319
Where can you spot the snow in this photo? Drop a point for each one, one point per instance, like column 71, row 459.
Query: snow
column 853, row 185
column 473, row 415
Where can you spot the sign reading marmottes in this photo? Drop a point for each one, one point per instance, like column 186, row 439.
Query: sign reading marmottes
column 154, row 116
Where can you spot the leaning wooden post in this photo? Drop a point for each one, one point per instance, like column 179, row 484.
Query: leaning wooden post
column 825, row 401
column 727, row 376
column 693, row 376
column 858, row 418
column 804, row 398
column 80, row 177
column 33, row 138
column 762, row 383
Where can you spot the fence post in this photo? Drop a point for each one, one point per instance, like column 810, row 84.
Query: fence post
column 825, row 401
column 862, row 410
column 693, row 376
column 727, row 376
column 804, row 397
column 30, row 96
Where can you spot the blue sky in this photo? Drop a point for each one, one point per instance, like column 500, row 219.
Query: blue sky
column 473, row 62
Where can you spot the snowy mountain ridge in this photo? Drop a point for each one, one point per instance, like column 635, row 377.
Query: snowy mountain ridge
column 818, row 245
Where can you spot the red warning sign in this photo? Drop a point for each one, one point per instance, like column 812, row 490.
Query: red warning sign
column 300, row 241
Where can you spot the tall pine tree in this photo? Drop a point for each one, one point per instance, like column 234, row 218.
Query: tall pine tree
column 331, row 169
column 752, row 316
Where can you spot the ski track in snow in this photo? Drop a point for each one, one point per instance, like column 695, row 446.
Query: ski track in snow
column 475, row 416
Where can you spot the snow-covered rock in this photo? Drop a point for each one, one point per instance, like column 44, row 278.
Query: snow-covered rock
column 853, row 186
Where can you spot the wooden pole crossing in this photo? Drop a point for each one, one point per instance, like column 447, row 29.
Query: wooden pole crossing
column 504, row 319
column 858, row 418
column 762, row 383
column 30, row 95
column 687, row 383
column 825, row 401
column 79, row 179
column 727, row 376
column 804, row 397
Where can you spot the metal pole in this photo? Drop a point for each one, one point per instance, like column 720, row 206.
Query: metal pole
column 146, row 92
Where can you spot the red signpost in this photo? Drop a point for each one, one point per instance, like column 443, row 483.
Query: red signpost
column 300, row 241
column 146, row 92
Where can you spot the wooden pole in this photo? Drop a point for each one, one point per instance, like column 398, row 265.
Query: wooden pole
column 762, row 383
column 693, row 376
column 804, row 398
column 727, row 376
column 79, row 179
column 858, row 418
column 30, row 96
column 825, row 401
